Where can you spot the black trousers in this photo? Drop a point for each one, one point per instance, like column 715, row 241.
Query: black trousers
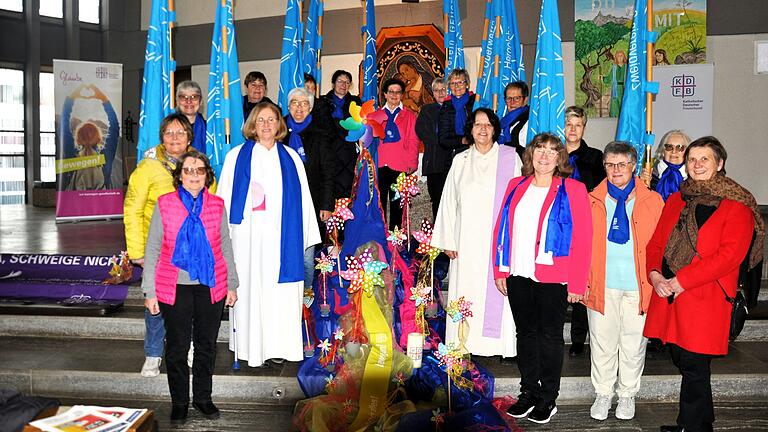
column 435, row 185
column 579, row 323
column 697, row 411
column 387, row 176
column 539, row 313
column 191, row 317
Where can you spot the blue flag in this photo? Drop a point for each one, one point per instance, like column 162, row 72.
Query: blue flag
column 547, row 112
column 158, row 69
column 511, row 65
column 225, row 106
column 453, row 40
column 313, row 40
column 291, row 66
column 370, row 82
column 631, row 127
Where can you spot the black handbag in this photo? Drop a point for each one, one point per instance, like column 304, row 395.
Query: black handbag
column 739, row 313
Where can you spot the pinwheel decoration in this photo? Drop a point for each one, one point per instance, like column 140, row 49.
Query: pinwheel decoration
column 121, row 270
column 359, row 127
column 421, row 295
column 397, row 237
column 454, row 363
column 324, row 346
column 459, row 309
column 341, row 214
column 424, row 236
column 363, row 272
column 405, row 187
column 338, row 334
column 324, row 263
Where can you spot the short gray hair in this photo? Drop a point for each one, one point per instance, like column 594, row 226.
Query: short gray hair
column 439, row 81
column 301, row 91
column 575, row 111
column 188, row 85
column 659, row 155
column 621, row 148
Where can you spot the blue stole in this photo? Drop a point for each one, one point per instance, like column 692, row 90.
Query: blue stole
column 391, row 132
column 670, row 180
column 572, row 158
column 507, row 121
column 193, row 252
column 460, row 118
column 295, row 142
column 291, row 226
column 619, row 231
column 338, row 104
column 503, row 242
column 198, row 129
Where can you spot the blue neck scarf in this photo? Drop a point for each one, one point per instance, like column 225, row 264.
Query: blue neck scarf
column 503, row 242
column 291, row 227
column 193, row 252
column 559, row 224
column 338, row 104
column 461, row 116
column 506, row 122
column 295, row 142
column 670, row 180
column 198, row 128
column 572, row 158
column 391, row 132
column 619, row 231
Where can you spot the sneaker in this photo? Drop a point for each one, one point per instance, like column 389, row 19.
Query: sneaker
column 625, row 410
column 191, row 355
column 600, row 408
column 524, row 405
column 543, row 412
column 151, row 367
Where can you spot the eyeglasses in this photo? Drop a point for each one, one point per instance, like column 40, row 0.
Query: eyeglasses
column 621, row 166
column 457, row 83
column 343, row 82
column 674, row 147
column 514, row 99
column 194, row 171
column 541, row 151
column 303, row 104
column 262, row 120
column 179, row 133
column 188, row 98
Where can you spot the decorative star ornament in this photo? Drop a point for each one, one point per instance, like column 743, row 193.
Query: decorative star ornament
column 459, row 309
column 363, row 273
column 424, row 236
column 397, row 237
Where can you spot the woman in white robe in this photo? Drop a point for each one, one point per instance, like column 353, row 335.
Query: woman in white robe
column 268, row 316
column 464, row 227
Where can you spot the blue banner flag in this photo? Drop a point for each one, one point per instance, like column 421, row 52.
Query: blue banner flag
column 157, row 84
column 453, row 40
column 291, row 65
column 313, row 40
column 225, row 106
column 511, row 65
column 631, row 127
column 547, row 109
column 370, row 82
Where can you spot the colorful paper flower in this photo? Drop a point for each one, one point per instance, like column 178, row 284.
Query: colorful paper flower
column 405, row 187
column 324, row 263
column 363, row 272
column 424, row 236
column 397, row 237
column 459, row 309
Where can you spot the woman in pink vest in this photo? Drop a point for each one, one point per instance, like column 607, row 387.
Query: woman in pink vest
column 189, row 276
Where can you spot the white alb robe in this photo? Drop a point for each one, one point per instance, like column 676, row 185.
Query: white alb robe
column 267, row 313
column 465, row 224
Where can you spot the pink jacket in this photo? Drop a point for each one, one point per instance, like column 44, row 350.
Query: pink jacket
column 400, row 155
column 173, row 214
column 574, row 268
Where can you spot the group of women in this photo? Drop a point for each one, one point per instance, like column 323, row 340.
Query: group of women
column 513, row 227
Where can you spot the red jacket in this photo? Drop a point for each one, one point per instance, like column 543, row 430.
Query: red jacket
column 574, row 268
column 400, row 155
column 699, row 318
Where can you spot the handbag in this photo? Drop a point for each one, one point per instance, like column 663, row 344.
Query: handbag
column 739, row 313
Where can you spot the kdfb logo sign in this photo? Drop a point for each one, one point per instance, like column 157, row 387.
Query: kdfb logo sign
column 683, row 86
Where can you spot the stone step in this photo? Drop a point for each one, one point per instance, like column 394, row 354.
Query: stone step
column 108, row 369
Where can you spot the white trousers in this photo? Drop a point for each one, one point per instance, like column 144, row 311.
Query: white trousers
column 617, row 344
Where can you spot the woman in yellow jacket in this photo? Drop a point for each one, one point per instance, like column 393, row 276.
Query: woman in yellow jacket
column 152, row 178
column 624, row 216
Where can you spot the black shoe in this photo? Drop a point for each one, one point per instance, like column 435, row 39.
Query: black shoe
column 543, row 412
column 525, row 403
column 672, row 428
column 179, row 413
column 508, row 361
column 207, row 409
column 576, row 350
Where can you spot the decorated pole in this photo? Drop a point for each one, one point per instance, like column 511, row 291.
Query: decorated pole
column 171, row 25
column 649, row 96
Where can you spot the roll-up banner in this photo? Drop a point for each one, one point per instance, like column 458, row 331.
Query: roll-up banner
column 88, row 98
column 685, row 99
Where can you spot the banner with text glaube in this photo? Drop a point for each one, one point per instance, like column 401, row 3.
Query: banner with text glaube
column 88, row 99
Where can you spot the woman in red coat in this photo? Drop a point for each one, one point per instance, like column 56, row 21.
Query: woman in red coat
column 693, row 261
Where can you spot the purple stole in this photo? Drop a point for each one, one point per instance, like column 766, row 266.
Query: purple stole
column 494, row 301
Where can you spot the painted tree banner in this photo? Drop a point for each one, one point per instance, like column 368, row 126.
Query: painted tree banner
column 602, row 35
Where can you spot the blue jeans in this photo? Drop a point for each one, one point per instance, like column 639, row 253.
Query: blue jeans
column 154, row 338
column 309, row 266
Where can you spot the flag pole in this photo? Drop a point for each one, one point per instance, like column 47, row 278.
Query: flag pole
column 495, row 103
column 225, row 75
column 649, row 56
column 445, row 31
column 170, row 45
column 481, row 65
column 320, row 34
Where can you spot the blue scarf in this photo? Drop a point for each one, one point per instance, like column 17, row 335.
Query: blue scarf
column 619, row 231
column 670, row 180
column 572, row 158
column 198, row 128
column 193, row 252
column 338, row 104
column 291, row 227
column 461, row 116
column 559, row 224
column 391, row 132
column 507, row 121
column 503, row 242
column 295, row 141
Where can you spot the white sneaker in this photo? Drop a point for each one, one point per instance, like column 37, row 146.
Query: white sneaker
column 625, row 410
column 191, row 354
column 151, row 367
column 600, row 408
